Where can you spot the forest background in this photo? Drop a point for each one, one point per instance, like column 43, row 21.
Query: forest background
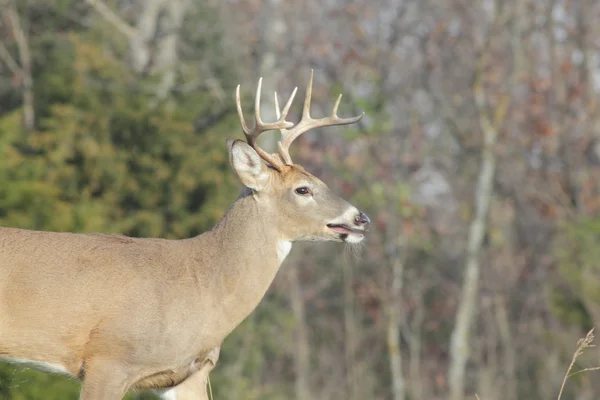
column 478, row 161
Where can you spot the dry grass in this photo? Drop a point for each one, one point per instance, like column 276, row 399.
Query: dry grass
column 582, row 344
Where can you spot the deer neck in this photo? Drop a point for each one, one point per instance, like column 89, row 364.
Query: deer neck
column 243, row 253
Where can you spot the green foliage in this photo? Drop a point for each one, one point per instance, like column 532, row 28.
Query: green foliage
column 105, row 157
column 18, row 383
column 578, row 252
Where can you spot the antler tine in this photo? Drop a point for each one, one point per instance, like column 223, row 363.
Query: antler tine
column 277, row 112
column 307, row 123
column 260, row 126
column 284, row 132
column 238, row 104
column 257, row 118
column 308, row 97
column 286, row 109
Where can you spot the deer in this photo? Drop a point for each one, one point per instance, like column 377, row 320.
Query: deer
column 120, row 313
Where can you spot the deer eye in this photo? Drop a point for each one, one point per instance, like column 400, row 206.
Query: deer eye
column 303, row 191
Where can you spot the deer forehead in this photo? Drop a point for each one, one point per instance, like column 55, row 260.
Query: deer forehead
column 297, row 175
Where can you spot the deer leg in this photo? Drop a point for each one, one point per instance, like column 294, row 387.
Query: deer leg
column 104, row 381
column 196, row 386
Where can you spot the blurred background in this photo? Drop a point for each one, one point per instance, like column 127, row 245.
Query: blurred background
column 478, row 161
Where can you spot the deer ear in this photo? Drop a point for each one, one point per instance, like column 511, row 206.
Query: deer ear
column 247, row 165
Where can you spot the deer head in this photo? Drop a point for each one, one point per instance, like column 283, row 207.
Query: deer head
column 305, row 207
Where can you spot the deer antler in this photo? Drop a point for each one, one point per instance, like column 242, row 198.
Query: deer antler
column 287, row 135
column 307, row 122
column 260, row 126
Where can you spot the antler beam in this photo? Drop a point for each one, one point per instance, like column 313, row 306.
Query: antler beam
column 260, row 126
column 307, row 122
column 289, row 131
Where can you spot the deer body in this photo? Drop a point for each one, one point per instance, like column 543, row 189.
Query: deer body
column 121, row 313
column 183, row 296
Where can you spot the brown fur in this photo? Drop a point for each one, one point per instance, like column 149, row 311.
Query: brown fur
column 124, row 312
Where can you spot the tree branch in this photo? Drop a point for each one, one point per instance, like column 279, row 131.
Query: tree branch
column 9, row 60
column 112, row 17
column 25, row 61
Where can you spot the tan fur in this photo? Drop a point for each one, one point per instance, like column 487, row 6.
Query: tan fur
column 121, row 312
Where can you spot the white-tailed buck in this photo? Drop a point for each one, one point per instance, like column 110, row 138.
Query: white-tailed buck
column 123, row 313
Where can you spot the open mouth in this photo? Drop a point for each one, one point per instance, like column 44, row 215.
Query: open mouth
column 345, row 229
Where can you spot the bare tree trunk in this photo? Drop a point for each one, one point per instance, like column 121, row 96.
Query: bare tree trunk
column 460, row 339
column 394, row 248
column 510, row 358
column 459, row 346
column 166, row 58
column 24, row 70
column 144, row 36
column 517, row 42
column 350, row 327
column 393, row 328
column 301, row 344
column 153, row 42
column 416, row 384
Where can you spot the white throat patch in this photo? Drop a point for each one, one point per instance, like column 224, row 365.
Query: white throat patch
column 283, row 249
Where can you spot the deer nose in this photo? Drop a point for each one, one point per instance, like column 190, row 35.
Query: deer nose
column 362, row 220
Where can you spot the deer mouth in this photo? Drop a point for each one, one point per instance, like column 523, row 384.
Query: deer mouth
column 345, row 229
